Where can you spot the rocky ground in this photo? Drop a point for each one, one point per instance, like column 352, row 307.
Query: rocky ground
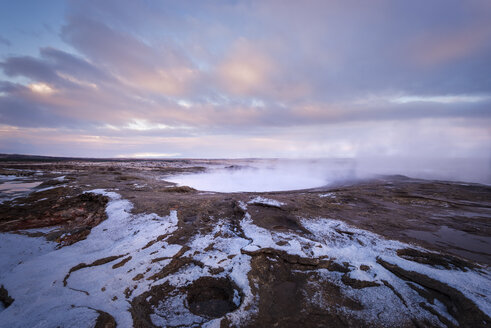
column 106, row 243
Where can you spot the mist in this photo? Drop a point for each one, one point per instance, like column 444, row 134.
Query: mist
column 288, row 174
column 268, row 175
column 470, row 170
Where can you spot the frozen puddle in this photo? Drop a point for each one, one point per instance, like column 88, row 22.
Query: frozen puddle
column 253, row 180
column 13, row 187
column 462, row 243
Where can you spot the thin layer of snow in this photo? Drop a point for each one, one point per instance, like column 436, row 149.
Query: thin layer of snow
column 173, row 312
column 8, row 177
column 329, row 194
column 338, row 241
column 16, row 249
column 50, row 187
column 362, row 247
column 69, row 317
column 223, row 251
column 265, row 201
column 32, row 270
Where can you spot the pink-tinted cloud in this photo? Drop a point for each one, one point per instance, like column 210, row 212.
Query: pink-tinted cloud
column 246, row 69
column 133, row 62
column 430, row 50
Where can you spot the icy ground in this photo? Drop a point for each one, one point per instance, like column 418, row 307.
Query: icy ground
column 11, row 187
column 127, row 254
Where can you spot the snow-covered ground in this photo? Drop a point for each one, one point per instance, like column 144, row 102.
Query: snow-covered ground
column 45, row 286
column 37, row 281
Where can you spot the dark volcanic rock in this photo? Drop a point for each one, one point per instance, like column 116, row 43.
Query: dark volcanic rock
column 5, row 299
column 180, row 189
column 75, row 216
column 434, row 259
column 105, row 320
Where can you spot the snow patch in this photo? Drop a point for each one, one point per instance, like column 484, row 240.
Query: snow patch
column 265, row 201
column 33, row 271
column 50, row 187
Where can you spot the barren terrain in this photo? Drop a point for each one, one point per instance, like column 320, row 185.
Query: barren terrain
column 106, row 243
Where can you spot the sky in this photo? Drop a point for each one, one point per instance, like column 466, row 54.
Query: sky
column 231, row 79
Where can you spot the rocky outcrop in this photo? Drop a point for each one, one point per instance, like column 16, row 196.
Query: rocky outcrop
column 74, row 216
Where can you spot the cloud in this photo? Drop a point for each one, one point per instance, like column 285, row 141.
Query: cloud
column 132, row 61
column 148, row 155
column 72, row 65
column 41, row 88
column 435, row 50
column 246, row 69
column 255, row 78
column 5, row 41
column 33, row 68
column 427, row 138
